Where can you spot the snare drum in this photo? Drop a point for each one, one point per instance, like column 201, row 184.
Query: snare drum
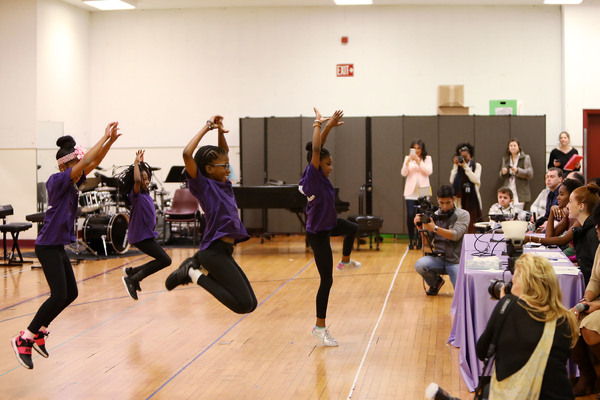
column 90, row 201
column 107, row 233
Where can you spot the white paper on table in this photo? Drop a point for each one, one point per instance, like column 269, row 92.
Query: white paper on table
column 550, row 255
column 566, row 270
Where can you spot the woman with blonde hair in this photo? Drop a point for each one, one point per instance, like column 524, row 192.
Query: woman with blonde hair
column 537, row 334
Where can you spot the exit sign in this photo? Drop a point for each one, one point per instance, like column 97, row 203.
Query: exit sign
column 344, row 69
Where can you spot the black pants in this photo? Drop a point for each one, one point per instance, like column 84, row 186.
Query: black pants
column 153, row 249
column 410, row 219
column 61, row 280
column 225, row 280
column 321, row 246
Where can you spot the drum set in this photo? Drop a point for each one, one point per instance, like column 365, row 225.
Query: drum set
column 105, row 216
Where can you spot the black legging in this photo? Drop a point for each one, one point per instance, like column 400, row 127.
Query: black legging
column 61, row 280
column 225, row 280
column 324, row 258
column 153, row 249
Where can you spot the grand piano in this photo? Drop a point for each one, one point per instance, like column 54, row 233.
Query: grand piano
column 278, row 196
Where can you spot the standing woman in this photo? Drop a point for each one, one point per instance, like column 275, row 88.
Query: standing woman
column 142, row 221
column 581, row 203
column 417, row 167
column 563, row 153
column 322, row 221
column 465, row 178
column 517, row 171
column 59, row 230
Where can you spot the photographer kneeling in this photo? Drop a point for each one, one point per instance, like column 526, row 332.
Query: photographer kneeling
column 445, row 229
column 531, row 332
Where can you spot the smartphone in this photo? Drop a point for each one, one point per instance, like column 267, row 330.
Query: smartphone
column 413, row 151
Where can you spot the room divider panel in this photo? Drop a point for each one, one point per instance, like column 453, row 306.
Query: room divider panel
column 370, row 151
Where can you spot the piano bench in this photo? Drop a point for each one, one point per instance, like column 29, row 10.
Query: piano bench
column 368, row 225
column 14, row 228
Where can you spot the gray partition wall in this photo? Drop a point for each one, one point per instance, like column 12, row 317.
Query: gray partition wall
column 374, row 148
column 284, row 163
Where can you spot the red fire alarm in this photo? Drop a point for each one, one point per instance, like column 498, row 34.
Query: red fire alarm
column 344, row 39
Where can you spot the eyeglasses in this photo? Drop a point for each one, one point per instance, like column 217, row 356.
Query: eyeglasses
column 226, row 166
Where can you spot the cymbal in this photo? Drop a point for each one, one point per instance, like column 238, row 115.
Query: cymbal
column 89, row 184
column 154, row 168
column 106, row 189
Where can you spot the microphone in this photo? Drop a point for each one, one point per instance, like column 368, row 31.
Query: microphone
column 582, row 307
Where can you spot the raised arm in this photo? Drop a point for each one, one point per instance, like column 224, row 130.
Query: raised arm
column 88, row 162
column 319, row 138
column 104, row 149
column 188, row 152
column 222, row 140
column 137, row 175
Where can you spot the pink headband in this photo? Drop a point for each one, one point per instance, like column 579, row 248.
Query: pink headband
column 78, row 153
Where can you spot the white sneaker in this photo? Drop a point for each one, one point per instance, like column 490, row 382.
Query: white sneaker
column 349, row 266
column 323, row 336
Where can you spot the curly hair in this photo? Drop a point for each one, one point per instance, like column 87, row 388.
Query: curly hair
column 465, row 147
column 126, row 180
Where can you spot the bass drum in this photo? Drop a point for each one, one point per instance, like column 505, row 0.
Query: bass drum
column 106, row 233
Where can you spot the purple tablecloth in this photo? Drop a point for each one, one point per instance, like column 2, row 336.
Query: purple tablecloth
column 472, row 304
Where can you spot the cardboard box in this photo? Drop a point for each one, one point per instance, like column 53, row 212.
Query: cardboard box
column 451, row 96
column 453, row 110
column 505, row 107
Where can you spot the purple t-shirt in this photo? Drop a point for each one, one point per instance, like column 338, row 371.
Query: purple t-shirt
column 220, row 209
column 63, row 201
column 142, row 220
column 320, row 193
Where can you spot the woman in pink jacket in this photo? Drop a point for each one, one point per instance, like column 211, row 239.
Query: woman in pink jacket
column 417, row 167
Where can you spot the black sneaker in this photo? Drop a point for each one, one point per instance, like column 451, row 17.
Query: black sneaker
column 22, row 348
column 180, row 275
column 129, row 272
column 433, row 290
column 130, row 286
column 39, row 343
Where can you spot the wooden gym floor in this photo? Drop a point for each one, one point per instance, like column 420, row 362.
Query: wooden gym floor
column 185, row 345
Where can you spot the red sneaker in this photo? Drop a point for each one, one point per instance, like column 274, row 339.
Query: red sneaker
column 22, row 348
column 39, row 343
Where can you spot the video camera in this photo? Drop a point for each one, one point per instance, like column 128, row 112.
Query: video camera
column 514, row 250
column 427, row 210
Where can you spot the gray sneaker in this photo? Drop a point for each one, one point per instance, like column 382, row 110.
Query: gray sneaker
column 323, row 336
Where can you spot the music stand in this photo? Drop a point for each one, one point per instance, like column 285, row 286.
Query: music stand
column 176, row 174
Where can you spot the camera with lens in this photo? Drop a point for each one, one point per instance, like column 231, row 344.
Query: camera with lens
column 427, row 211
column 496, row 286
column 514, row 250
column 461, row 159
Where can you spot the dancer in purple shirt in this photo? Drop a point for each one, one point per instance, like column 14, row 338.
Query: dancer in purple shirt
column 142, row 221
column 322, row 221
column 213, row 266
column 59, row 230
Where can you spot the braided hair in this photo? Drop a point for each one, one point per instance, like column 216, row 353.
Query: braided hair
column 206, row 155
column 323, row 154
column 66, row 144
column 126, row 180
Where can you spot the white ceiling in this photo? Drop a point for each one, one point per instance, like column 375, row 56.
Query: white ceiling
column 174, row 4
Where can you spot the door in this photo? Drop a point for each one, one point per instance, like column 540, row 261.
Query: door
column 591, row 140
